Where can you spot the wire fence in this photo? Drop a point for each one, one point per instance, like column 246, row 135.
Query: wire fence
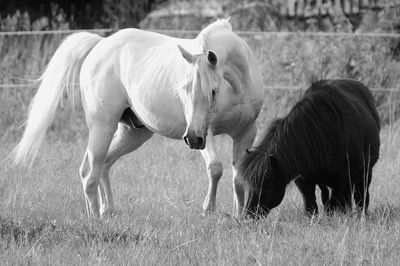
column 255, row 34
column 193, row 32
column 277, row 87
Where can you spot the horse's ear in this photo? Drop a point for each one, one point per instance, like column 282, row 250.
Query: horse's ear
column 212, row 57
column 188, row 56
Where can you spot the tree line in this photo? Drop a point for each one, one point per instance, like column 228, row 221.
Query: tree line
column 72, row 14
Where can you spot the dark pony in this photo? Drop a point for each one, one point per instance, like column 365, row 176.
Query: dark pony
column 330, row 138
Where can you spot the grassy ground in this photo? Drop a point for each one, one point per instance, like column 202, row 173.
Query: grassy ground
column 160, row 188
column 159, row 191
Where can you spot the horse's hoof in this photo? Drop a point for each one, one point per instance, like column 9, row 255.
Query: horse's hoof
column 205, row 214
column 107, row 214
column 226, row 215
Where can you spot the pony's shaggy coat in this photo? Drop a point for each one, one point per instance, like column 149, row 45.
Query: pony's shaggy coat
column 330, row 138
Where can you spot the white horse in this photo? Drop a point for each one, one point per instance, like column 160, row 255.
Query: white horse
column 135, row 83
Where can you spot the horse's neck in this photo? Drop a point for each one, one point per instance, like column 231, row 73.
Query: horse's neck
column 234, row 75
column 235, row 62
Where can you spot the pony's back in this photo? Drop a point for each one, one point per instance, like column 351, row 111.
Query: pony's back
column 334, row 117
column 351, row 91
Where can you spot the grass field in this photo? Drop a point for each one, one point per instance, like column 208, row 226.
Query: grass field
column 159, row 190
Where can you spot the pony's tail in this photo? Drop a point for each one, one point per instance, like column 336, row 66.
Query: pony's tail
column 60, row 75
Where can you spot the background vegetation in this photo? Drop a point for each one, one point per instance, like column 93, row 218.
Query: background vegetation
column 269, row 15
column 72, row 14
column 285, row 59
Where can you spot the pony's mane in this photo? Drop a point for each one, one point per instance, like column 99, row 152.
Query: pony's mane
column 296, row 140
column 258, row 160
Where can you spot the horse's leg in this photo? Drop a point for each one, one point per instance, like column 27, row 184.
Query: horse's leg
column 240, row 144
column 214, row 172
column 100, row 135
column 308, row 192
column 126, row 139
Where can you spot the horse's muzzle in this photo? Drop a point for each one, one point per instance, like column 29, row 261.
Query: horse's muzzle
column 194, row 142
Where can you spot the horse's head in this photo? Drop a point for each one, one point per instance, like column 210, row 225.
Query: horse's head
column 199, row 95
column 263, row 184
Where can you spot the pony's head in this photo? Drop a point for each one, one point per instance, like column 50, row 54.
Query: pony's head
column 262, row 177
column 199, row 95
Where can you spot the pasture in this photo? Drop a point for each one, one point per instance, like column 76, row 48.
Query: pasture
column 159, row 189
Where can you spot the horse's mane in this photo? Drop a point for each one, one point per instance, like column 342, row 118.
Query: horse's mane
column 219, row 25
column 202, row 39
column 301, row 139
column 164, row 64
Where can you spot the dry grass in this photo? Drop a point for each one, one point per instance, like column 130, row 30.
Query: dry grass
column 159, row 191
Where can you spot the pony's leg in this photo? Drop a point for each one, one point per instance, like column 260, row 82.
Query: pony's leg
column 100, row 135
column 325, row 194
column 361, row 192
column 334, row 203
column 239, row 146
column 126, row 139
column 341, row 200
column 346, row 202
column 308, row 192
column 214, row 172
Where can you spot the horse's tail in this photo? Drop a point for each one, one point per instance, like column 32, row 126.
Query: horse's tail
column 59, row 76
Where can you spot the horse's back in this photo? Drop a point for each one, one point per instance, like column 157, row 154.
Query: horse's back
column 132, row 69
column 131, row 44
column 138, row 63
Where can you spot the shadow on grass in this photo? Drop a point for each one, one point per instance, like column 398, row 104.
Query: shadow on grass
column 31, row 232
column 19, row 233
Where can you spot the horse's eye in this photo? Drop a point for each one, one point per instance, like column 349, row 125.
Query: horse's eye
column 213, row 93
column 248, row 151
